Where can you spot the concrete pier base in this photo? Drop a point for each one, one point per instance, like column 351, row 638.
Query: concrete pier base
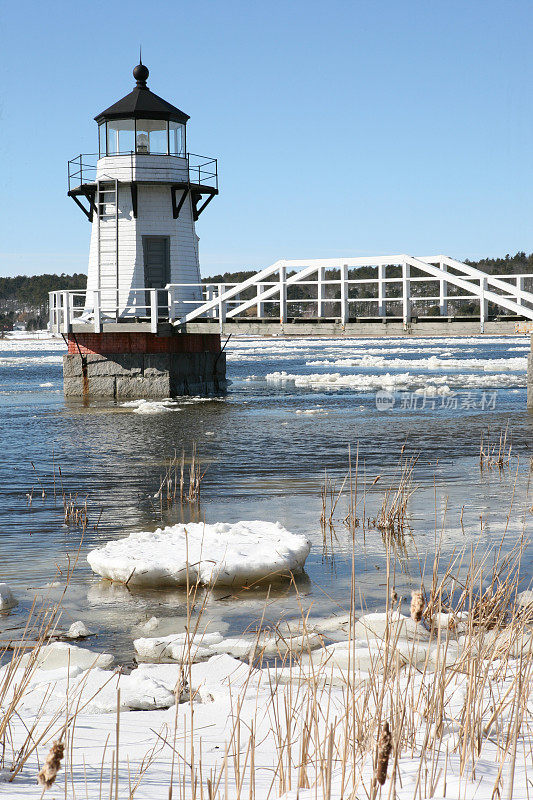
column 143, row 365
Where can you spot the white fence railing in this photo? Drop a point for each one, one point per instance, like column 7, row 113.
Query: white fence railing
column 274, row 292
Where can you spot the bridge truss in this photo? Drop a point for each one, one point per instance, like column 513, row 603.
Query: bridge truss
column 312, row 289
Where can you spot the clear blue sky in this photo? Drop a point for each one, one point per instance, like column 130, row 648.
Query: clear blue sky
column 351, row 128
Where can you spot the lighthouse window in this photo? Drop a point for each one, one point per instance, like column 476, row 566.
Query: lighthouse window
column 176, row 138
column 120, row 136
column 101, row 139
column 151, row 136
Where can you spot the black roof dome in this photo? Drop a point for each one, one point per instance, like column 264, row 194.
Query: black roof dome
column 141, row 103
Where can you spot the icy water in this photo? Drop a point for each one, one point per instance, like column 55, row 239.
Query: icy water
column 293, row 409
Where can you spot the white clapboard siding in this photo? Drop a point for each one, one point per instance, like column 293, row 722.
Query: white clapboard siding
column 117, row 231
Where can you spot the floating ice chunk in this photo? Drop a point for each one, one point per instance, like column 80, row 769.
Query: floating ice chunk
column 329, row 624
column 433, row 391
column 176, row 647
column 241, row 647
column 240, row 553
column 78, row 631
column 398, row 625
column 370, row 655
column 268, row 645
column 138, row 691
column 7, row 598
column 453, row 622
column 96, row 691
column 359, row 655
column 60, row 655
column 208, row 677
column 153, row 408
column 395, row 381
column 498, row 642
column 525, row 599
column 433, row 362
column 150, row 624
column 150, row 406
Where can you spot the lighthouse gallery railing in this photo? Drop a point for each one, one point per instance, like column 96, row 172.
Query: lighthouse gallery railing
column 202, row 170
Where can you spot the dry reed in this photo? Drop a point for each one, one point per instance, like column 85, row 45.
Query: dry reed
column 181, row 482
column 51, row 766
column 497, row 455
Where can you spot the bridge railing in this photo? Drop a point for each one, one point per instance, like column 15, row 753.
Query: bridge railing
column 304, row 289
column 272, row 288
column 94, row 308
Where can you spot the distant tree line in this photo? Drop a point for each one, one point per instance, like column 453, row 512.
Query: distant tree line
column 24, row 299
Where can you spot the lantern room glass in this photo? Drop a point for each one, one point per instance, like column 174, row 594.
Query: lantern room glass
column 176, row 139
column 120, row 136
column 151, row 136
column 101, row 139
column 141, row 136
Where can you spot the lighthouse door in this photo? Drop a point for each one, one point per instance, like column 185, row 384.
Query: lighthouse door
column 156, row 264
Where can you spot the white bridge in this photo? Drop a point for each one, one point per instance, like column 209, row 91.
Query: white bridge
column 399, row 287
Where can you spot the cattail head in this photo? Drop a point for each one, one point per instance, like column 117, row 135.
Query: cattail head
column 384, row 751
column 50, row 768
column 417, row 606
column 394, row 596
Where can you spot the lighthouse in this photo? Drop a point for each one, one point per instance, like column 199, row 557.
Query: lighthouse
column 142, row 195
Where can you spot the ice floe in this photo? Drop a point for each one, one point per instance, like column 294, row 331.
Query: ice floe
column 78, row 630
column 394, row 381
column 431, row 363
column 150, row 406
column 525, row 598
column 177, row 647
column 7, row 598
column 240, row 553
column 60, row 655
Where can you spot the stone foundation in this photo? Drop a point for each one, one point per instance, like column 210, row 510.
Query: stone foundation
column 146, row 365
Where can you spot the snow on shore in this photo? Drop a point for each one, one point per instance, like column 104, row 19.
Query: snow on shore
column 217, row 691
column 240, row 553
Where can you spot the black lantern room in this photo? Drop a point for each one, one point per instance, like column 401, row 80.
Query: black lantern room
column 142, row 123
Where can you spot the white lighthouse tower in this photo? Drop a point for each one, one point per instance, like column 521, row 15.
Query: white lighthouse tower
column 145, row 198
column 142, row 195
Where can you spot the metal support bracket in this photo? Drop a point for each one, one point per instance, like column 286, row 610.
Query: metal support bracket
column 176, row 207
column 90, row 196
column 203, row 206
column 134, row 198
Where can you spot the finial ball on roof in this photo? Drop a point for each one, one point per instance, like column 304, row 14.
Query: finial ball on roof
column 140, row 73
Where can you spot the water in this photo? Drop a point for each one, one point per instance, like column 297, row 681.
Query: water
column 284, row 421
